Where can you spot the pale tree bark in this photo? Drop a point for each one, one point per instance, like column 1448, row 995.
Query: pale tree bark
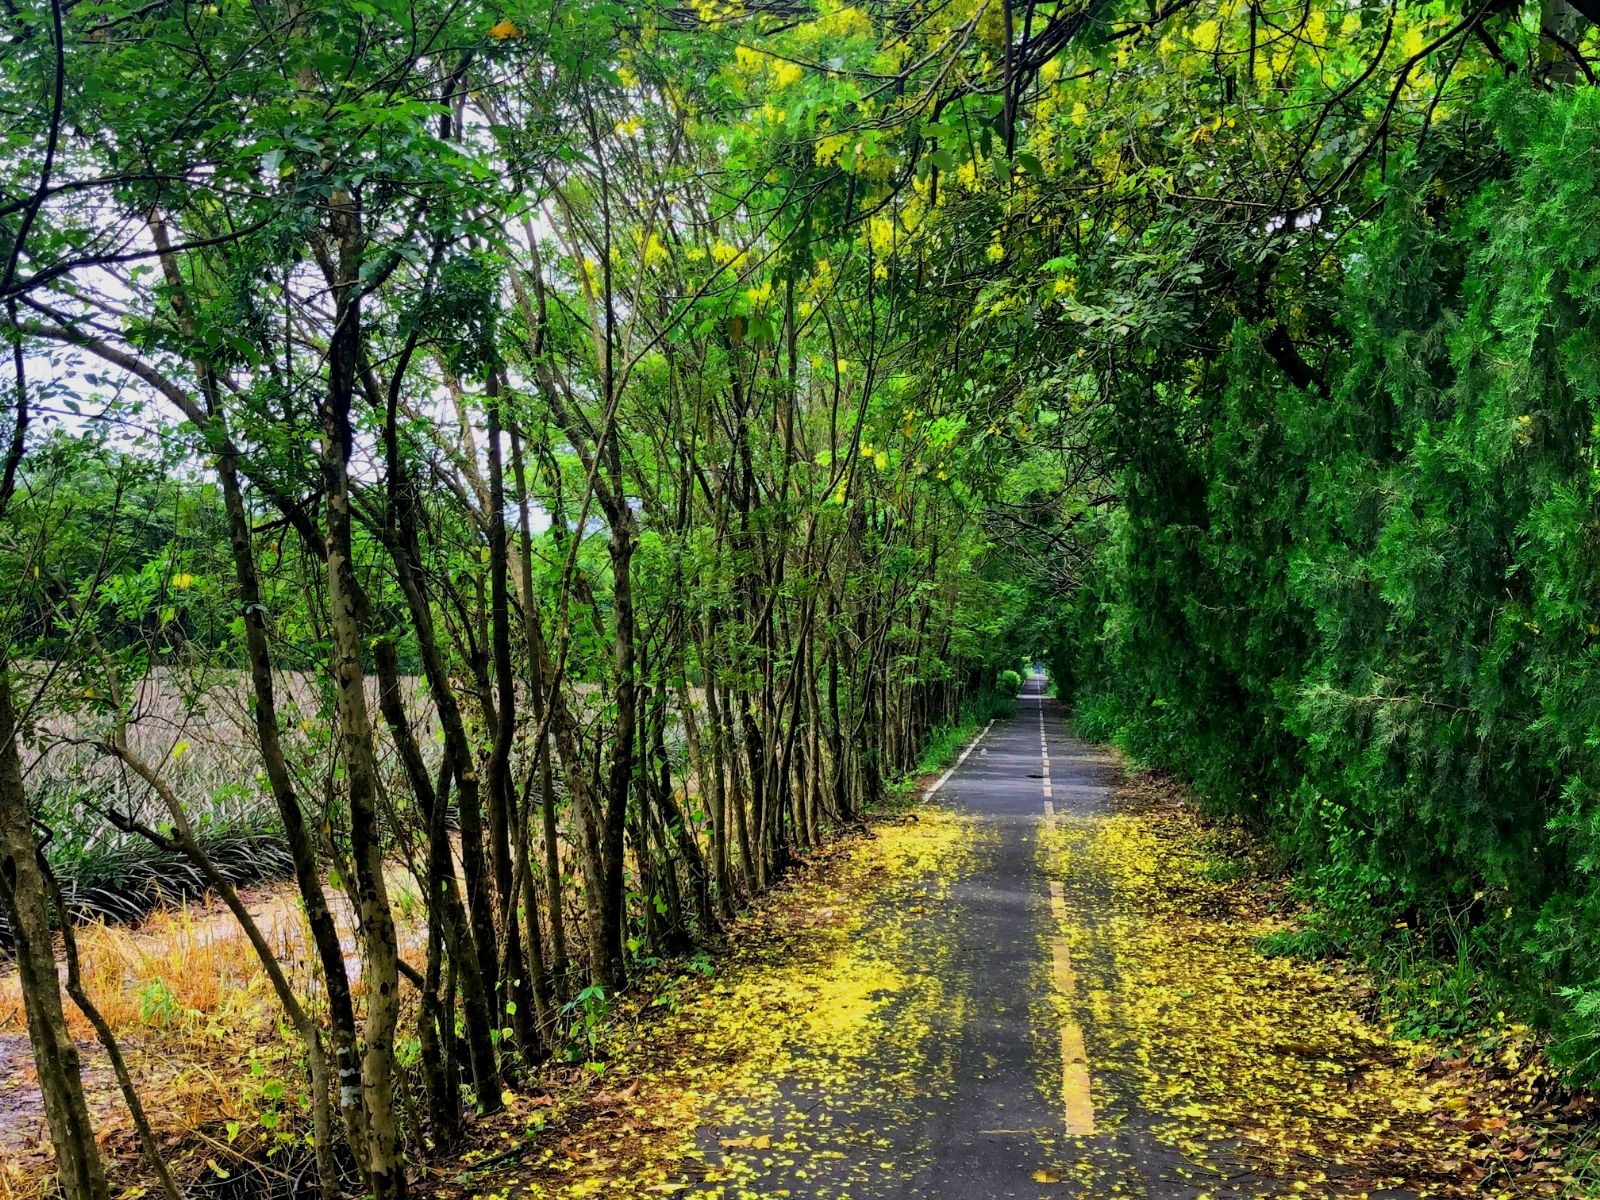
column 384, row 1151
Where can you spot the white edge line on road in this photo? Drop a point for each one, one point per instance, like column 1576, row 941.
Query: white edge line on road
column 960, row 758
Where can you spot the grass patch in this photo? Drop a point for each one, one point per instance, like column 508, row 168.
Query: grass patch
column 944, row 746
column 1309, row 944
column 1430, row 995
column 1227, row 870
column 940, row 751
column 945, row 743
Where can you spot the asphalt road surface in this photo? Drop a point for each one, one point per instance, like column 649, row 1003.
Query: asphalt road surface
column 981, row 1082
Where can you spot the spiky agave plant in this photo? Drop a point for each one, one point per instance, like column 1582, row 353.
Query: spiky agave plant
column 118, row 876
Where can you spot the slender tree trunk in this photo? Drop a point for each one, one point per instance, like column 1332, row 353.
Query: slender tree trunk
column 445, row 907
column 725, row 767
column 741, row 802
column 606, row 915
column 538, row 989
column 518, row 998
column 560, row 969
column 836, row 750
column 385, row 1153
column 307, row 870
column 537, row 656
column 435, row 1020
column 681, row 832
column 27, row 901
column 707, row 769
column 108, row 1042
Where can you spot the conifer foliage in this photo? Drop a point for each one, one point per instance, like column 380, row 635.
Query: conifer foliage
column 1360, row 613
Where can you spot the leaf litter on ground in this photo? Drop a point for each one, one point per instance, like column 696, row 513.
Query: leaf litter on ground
column 1270, row 1074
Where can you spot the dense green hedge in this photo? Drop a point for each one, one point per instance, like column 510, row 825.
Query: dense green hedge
column 1369, row 621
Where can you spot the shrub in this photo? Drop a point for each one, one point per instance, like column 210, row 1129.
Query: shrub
column 1361, row 615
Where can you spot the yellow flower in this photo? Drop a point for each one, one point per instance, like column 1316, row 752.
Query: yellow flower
column 829, row 148
column 1208, row 36
column 882, row 234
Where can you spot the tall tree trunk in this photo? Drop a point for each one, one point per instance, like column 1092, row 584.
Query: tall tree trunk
column 560, row 968
column 706, row 767
column 436, row 1018
column 538, row 985
column 679, row 830
column 385, row 1154
column 840, row 791
column 302, row 852
column 606, row 914
column 445, row 907
column 727, row 796
column 26, row 895
column 518, row 997
column 537, row 656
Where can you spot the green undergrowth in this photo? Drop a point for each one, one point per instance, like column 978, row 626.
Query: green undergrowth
column 942, row 749
column 1437, row 977
column 945, row 743
column 1428, row 986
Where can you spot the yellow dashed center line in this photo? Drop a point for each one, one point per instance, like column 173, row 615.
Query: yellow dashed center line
column 1076, row 1098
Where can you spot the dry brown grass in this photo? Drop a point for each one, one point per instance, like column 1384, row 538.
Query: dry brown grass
column 202, row 1029
column 191, row 1007
column 179, row 971
column 183, row 990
